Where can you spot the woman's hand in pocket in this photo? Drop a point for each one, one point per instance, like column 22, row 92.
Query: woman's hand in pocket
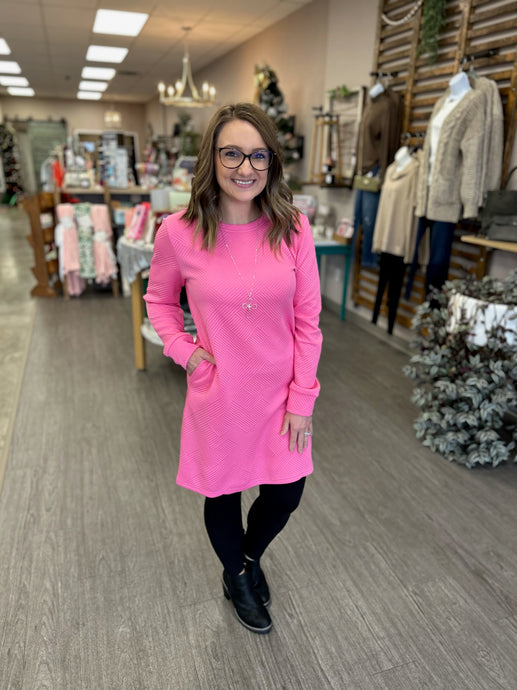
column 196, row 358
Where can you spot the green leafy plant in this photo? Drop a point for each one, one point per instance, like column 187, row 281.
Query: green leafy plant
column 433, row 18
column 340, row 92
column 466, row 392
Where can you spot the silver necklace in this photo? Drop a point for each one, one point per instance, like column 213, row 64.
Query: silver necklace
column 248, row 305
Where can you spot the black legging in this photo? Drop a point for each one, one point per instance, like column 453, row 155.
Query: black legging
column 267, row 517
column 392, row 269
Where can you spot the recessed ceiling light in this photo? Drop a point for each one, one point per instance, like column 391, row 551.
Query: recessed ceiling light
column 4, row 48
column 98, row 73
column 93, row 85
column 106, row 54
column 89, row 95
column 8, row 67
column 19, row 91
column 119, row 23
column 13, row 81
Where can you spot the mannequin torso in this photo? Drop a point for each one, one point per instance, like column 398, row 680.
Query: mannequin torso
column 402, row 158
column 376, row 90
column 459, row 86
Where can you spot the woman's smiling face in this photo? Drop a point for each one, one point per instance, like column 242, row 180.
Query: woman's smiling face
column 239, row 185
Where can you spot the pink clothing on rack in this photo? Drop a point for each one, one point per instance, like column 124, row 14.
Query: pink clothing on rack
column 105, row 260
column 66, row 239
column 266, row 357
column 138, row 221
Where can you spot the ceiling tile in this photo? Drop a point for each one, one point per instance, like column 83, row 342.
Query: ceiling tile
column 49, row 39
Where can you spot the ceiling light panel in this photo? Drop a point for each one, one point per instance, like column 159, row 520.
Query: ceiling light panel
column 4, row 48
column 9, row 67
column 89, row 95
column 13, row 81
column 106, row 54
column 119, row 23
column 20, row 91
column 105, row 73
column 93, row 86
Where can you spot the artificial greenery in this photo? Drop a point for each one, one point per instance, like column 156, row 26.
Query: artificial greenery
column 190, row 141
column 433, row 18
column 340, row 92
column 465, row 391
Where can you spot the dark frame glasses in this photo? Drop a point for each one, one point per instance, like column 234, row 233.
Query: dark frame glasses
column 260, row 160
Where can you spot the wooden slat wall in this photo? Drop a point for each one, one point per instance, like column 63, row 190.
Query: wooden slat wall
column 472, row 27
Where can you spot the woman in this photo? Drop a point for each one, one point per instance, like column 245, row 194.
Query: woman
column 247, row 260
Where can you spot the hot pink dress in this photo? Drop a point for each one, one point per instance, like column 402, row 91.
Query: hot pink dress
column 266, row 357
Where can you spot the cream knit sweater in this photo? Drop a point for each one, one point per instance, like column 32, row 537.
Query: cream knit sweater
column 458, row 168
column 494, row 132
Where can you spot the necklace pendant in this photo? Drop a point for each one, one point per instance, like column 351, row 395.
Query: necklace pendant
column 249, row 305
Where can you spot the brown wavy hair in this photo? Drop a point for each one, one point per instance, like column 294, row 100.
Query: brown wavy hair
column 276, row 199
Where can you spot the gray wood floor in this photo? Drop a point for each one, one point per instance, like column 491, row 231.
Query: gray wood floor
column 398, row 571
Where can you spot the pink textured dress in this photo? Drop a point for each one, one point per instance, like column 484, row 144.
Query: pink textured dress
column 266, row 358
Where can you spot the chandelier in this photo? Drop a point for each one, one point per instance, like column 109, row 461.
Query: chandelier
column 113, row 118
column 175, row 95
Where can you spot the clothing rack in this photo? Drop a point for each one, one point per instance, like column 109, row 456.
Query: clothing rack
column 384, row 75
column 472, row 57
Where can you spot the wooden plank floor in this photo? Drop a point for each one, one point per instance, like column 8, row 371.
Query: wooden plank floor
column 398, row 571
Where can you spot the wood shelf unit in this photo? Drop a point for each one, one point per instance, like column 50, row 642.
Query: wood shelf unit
column 41, row 238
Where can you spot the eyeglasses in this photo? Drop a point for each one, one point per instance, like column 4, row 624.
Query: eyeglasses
column 260, row 159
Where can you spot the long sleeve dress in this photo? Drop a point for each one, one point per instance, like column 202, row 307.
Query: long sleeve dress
column 266, row 357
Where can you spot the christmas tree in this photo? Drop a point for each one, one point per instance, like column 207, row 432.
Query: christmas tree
column 270, row 99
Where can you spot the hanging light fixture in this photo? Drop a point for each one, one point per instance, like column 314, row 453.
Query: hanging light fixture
column 113, row 118
column 176, row 96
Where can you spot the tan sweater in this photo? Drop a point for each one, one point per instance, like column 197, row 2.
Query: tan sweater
column 457, row 176
column 494, row 134
column 395, row 224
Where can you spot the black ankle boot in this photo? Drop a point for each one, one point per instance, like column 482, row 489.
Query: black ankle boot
column 258, row 580
column 248, row 607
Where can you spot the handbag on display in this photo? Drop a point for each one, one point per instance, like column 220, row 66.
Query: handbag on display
column 499, row 214
column 367, row 183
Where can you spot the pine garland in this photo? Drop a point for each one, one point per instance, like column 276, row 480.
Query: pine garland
column 433, row 18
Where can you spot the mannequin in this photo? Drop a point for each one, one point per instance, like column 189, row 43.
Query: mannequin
column 394, row 230
column 459, row 85
column 402, row 157
column 451, row 181
column 376, row 90
column 379, row 138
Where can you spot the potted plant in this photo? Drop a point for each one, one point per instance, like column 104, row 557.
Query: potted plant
column 465, row 370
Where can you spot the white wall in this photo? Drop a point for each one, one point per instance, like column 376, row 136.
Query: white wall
column 84, row 115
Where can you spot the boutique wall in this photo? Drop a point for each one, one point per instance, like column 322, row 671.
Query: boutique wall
column 83, row 115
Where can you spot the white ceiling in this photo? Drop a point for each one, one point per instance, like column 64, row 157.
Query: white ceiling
column 49, row 39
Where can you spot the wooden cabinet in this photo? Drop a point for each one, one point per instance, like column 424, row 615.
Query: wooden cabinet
column 46, row 267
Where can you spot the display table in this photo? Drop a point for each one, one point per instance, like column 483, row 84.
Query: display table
column 324, row 247
column 135, row 256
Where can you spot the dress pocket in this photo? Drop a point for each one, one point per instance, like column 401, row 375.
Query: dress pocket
column 202, row 376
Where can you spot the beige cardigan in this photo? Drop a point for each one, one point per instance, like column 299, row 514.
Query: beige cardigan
column 494, row 133
column 458, row 168
column 395, row 223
